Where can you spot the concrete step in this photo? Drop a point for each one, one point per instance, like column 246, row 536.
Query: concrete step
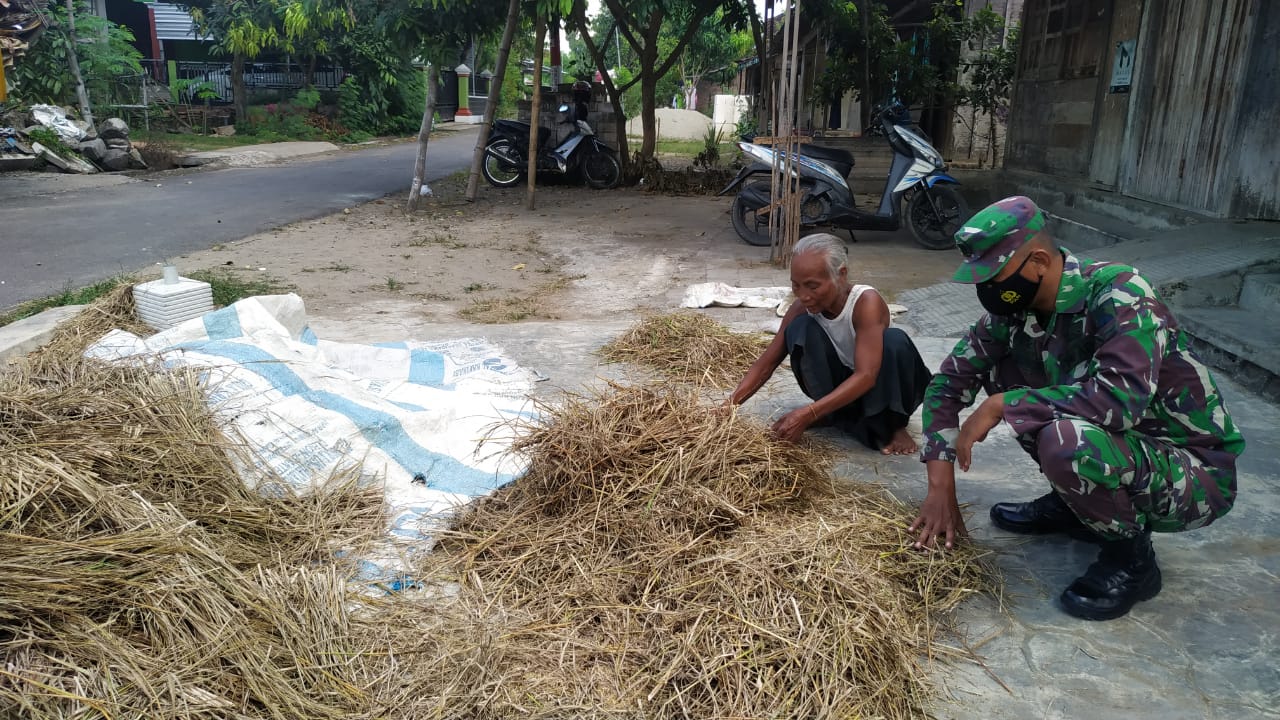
column 1242, row 343
column 1260, row 292
column 23, row 336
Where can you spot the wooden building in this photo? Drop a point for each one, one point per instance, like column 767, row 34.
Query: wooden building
column 1175, row 102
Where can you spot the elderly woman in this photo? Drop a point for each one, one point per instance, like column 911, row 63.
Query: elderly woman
column 864, row 376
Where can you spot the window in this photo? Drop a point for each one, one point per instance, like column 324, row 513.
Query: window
column 1064, row 39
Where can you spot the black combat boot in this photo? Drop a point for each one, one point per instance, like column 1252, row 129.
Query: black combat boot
column 1125, row 573
column 1046, row 514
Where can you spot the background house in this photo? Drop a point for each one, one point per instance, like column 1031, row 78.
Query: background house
column 1168, row 101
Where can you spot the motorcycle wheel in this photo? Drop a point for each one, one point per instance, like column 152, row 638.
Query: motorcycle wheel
column 752, row 229
column 500, row 156
column 601, row 170
column 936, row 230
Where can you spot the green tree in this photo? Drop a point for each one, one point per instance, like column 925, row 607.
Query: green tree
column 710, row 55
column 104, row 52
column 866, row 53
column 244, row 29
column 640, row 24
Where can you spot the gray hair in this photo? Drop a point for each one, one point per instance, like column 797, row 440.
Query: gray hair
column 831, row 248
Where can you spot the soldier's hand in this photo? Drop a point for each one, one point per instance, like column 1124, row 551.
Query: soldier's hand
column 939, row 517
column 975, row 428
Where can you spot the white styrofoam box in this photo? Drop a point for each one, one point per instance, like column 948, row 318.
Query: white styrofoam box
column 163, row 305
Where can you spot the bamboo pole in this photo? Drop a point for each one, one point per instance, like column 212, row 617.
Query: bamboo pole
column 784, row 223
column 541, row 35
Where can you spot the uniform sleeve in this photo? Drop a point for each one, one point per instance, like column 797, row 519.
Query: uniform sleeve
column 956, row 385
column 1122, row 376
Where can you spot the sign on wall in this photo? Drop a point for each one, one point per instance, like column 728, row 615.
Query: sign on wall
column 1122, row 67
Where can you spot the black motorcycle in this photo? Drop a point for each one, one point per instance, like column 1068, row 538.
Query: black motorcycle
column 506, row 157
column 933, row 211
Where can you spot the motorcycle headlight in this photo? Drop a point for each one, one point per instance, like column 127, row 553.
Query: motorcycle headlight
column 925, row 149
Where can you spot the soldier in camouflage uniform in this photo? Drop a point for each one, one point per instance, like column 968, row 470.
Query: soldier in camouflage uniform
column 1089, row 368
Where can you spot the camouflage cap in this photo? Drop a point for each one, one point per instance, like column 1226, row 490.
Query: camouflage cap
column 991, row 237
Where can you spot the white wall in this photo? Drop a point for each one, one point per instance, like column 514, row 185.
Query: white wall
column 727, row 111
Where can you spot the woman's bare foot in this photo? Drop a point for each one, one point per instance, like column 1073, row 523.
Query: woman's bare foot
column 901, row 444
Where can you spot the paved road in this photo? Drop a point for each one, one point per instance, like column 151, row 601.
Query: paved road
column 49, row 242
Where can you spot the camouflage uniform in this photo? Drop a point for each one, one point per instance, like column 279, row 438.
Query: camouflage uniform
column 1126, row 424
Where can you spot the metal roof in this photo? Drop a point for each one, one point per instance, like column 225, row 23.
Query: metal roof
column 173, row 23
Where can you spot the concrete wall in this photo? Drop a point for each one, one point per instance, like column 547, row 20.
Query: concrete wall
column 600, row 114
column 971, row 131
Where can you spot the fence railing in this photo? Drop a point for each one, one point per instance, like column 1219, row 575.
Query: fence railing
column 213, row 79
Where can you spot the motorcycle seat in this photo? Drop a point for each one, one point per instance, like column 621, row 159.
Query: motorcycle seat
column 517, row 127
column 833, row 156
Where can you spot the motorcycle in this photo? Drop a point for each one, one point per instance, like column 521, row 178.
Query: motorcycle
column 934, row 208
column 506, row 155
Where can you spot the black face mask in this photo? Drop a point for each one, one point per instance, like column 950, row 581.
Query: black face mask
column 1010, row 296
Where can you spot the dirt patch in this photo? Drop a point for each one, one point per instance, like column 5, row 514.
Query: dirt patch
column 582, row 254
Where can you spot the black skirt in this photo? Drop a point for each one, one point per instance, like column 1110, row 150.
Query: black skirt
column 884, row 409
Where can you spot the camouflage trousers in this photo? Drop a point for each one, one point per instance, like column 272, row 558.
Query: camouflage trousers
column 1119, row 483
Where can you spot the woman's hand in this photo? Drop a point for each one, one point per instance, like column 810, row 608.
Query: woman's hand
column 791, row 426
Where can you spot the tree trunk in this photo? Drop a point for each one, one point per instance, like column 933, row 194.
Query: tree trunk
column 615, row 97
column 495, row 94
column 553, row 31
column 86, row 112
column 238, row 97
column 648, row 114
column 424, row 135
column 762, row 78
column 864, row 12
column 309, row 80
column 541, row 36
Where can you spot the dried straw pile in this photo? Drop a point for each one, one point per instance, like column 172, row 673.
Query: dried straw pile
column 661, row 561
column 140, row 579
column 688, row 346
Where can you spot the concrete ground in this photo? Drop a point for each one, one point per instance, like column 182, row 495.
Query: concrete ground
column 1206, row 647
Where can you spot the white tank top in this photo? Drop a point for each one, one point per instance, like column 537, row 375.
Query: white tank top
column 840, row 328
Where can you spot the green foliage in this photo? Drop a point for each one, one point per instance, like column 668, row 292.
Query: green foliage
column 906, row 68
column 307, row 99
column 49, row 138
column 359, row 111
column 229, row 287
column 709, row 156
column 104, row 49
column 293, row 119
column 512, row 88
column 987, row 70
column 69, row 296
column 185, row 89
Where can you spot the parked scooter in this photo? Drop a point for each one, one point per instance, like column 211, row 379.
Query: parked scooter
column 934, row 208
column 506, row 156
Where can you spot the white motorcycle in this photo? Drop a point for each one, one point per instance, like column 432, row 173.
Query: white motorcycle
column 934, row 209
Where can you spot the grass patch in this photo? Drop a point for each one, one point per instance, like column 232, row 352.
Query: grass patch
column 514, row 308
column 69, row 296
column 394, row 285
column 692, row 148
column 447, row 240
column 435, row 296
column 191, row 142
column 229, row 287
